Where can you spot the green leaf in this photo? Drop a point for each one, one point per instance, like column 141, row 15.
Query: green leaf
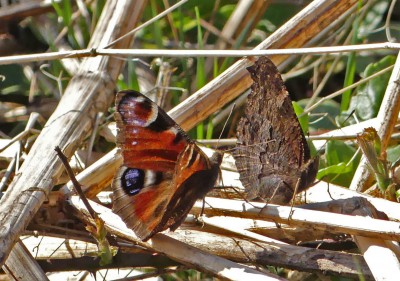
column 334, row 170
column 338, row 152
column 351, row 63
column 322, row 117
column 200, row 74
column 133, row 82
column 336, row 167
column 369, row 95
column 373, row 18
column 393, row 154
column 157, row 30
column 303, row 120
column 226, row 11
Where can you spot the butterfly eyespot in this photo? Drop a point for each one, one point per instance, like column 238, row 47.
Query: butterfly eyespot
column 132, row 181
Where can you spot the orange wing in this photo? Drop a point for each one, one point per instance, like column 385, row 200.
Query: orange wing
column 164, row 172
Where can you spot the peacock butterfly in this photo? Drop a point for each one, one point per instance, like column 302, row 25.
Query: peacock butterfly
column 272, row 155
column 163, row 173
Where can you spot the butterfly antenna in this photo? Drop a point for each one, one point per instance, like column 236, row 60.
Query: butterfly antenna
column 226, row 123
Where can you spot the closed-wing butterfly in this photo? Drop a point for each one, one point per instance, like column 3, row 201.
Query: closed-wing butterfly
column 272, row 155
column 163, row 173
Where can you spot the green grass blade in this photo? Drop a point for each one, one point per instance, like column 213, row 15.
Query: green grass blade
column 351, row 64
column 200, row 69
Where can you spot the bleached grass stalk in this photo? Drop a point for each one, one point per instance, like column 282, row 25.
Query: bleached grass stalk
column 7, row 174
column 28, row 130
column 196, row 53
column 244, row 251
column 348, row 132
column 19, row 137
column 336, row 223
column 237, row 229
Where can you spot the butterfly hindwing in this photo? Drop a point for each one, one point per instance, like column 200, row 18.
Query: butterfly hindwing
column 194, row 169
column 140, row 198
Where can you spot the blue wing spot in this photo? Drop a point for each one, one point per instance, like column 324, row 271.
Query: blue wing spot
column 133, row 181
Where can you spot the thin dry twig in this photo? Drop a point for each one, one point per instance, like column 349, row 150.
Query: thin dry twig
column 76, row 184
column 196, row 53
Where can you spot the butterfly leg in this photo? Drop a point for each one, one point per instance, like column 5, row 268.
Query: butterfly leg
column 280, row 185
column 292, row 201
column 203, row 207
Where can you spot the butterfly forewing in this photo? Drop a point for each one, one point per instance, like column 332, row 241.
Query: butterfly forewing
column 147, row 135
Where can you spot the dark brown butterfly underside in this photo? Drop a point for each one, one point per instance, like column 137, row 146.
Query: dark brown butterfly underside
column 163, row 173
column 272, row 157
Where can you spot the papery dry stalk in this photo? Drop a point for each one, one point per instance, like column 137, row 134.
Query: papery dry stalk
column 323, row 192
column 331, row 222
column 30, row 269
column 287, row 256
column 232, row 248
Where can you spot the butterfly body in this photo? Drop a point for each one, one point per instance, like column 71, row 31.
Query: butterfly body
column 273, row 157
column 163, row 173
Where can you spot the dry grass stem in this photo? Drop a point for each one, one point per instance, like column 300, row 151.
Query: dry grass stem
column 194, row 53
column 181, row 248
column 336, row 223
